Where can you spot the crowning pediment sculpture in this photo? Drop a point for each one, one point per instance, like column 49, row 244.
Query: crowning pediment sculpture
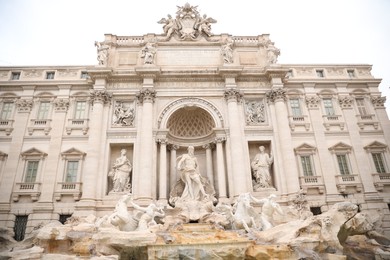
column 188, row 24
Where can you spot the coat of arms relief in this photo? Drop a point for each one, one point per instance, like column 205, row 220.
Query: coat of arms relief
column 188, row 24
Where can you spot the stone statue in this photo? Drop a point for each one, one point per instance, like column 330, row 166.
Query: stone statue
column 123, row 116
column 147, row 215
column 245, row 216
column 260, row 169
column 272, row 54
column 189, row 172
column 267, row 211
column 148, row 53
column 102, row 53
column 121, row 218
column 170, row 26
column 227, row 52
column 203, row 24
column 120, row 173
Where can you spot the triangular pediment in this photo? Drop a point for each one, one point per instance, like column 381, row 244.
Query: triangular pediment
column 73, row 152
column 340, row 147
column 378, row 146
column 33, row 152
column 305, row 148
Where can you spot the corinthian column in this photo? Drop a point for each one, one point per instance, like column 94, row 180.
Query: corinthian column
column 221, row 168
column 232, row 97
column 91, row 174
column 277, row 96
column 172, row 173
column 145, row 179
column 209, row 163
column 163, row 169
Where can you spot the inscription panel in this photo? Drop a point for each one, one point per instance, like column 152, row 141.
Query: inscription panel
column 189, row 57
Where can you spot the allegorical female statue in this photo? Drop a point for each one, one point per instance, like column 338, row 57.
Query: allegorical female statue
column 120, row 173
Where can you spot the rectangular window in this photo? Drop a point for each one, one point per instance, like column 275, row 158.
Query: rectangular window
column 361, row 106
column 379, row 162
column 50, row 75
column 328, row 105
column 343, row 164
column 31, row 171
column 84, row 75
column 71, row 171
column 43, row 110
column 320, row 73
column 15, row 75
column 295, row 107
column 20, row 227
column 351, row 73
column 6, row 110
column 79, row 112
column 306, row 165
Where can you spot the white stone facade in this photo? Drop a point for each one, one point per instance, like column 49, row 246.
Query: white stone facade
column 62, row 127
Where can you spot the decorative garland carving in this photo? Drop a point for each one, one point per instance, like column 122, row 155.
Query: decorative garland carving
column 312, row 101
column 378, row 102
column 24, row 105
column 254, row 112
column 61, row 104
column 345, row 102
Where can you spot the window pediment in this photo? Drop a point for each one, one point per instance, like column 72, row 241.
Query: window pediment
column 305, row 149
column 340, row 147
column 376, row 146
column 73, row 153
column 33, row 153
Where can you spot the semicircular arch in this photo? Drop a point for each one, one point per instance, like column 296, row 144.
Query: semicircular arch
column 190, row 102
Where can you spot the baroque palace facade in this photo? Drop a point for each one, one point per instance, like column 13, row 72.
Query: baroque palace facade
column 63, row 129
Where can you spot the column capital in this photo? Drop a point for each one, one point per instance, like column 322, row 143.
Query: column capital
column 277, row 94
column 162, row 141
column 146, row 95
column 233, row 95
column 378, row 101
column 100, row 96
column 208, row 146
column 312, row 101
column 24, row 105
column 173, row 147
column 345, row 102
column 61, row 104
column 219, row 139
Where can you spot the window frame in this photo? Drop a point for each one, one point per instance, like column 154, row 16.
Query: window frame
column 33, row 154
column 46, row 112
column 361, row 106
column 50, row 75
column 320, row 73
column 15, row 75
column 294, row 109
column 327, row 108
column 9, row 112
column 381, row 149
column 72, row 155
column 344, row 165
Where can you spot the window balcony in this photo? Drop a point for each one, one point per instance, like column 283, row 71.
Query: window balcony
column 77, row 125
column 299, row 121
column 32, row 189
column 367, row 120
column 39, row 125
column 333, row 121
column 68, row 189
column 312, row 182
column 348, row 181
column 6, row 126
column 381, row 180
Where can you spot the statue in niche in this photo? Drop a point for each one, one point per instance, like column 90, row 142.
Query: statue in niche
column 120, row 173
column 189, row 172
column 123, row 116
column 255, row 112
column 260, row 169
column 227, row 52
column 102, row 53
column 148, row 53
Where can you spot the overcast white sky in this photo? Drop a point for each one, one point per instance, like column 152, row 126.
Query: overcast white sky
column 62, row 32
